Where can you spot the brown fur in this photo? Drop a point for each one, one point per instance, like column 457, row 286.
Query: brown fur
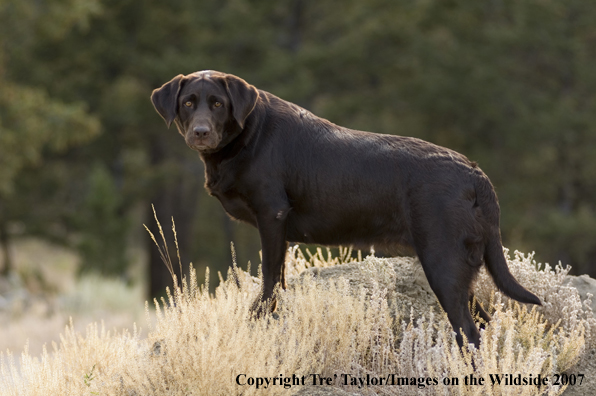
column 300, row 178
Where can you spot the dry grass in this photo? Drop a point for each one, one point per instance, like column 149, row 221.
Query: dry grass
column 200, row 343
column 37, row 303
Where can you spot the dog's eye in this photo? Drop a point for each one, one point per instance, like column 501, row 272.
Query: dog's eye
column 188, row 104
column 217, row 104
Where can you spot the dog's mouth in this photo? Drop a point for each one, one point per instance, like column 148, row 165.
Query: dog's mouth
column 208, row 143
column 202, row 147
column 205, row 149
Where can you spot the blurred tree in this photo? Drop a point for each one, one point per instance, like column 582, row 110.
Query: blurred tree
column 33, row 125
column 128, row 49
column 109, row 227
column 508, row 83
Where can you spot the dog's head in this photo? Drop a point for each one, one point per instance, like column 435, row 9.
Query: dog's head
column 208, row 107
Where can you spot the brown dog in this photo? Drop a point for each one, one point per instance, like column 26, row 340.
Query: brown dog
column 300, row 178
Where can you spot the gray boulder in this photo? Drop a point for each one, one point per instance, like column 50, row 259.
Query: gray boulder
column 408, row 288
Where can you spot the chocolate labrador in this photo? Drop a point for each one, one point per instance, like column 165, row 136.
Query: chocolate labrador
column 300, row 178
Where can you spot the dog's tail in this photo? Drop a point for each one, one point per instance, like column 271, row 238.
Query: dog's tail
column 493, row 252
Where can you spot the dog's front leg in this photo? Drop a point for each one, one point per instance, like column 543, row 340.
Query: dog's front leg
column 272, row 229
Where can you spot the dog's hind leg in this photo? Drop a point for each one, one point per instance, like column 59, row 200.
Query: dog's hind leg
column 450, row 277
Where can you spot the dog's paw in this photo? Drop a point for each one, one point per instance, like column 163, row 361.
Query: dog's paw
column 260, row 308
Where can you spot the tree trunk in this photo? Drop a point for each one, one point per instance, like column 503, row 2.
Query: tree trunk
column 5, row 245
column 177, row 197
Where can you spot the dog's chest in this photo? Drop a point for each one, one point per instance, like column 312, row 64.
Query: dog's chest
column 236, row 206
column 225, row 189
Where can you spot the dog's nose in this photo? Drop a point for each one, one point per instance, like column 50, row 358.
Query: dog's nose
column 201, row 131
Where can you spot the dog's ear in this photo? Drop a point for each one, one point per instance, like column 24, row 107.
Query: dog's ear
column 165, row 99
column 243, row 97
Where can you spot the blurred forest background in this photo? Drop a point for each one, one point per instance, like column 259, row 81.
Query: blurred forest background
column 509, row 83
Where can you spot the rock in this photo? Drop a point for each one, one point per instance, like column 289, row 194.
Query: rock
column 584, row 285
column 403, row 278
column 587, row 364
column 407, row 285
column 323, row 391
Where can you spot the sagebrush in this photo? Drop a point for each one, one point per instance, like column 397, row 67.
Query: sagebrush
column 200, row 343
